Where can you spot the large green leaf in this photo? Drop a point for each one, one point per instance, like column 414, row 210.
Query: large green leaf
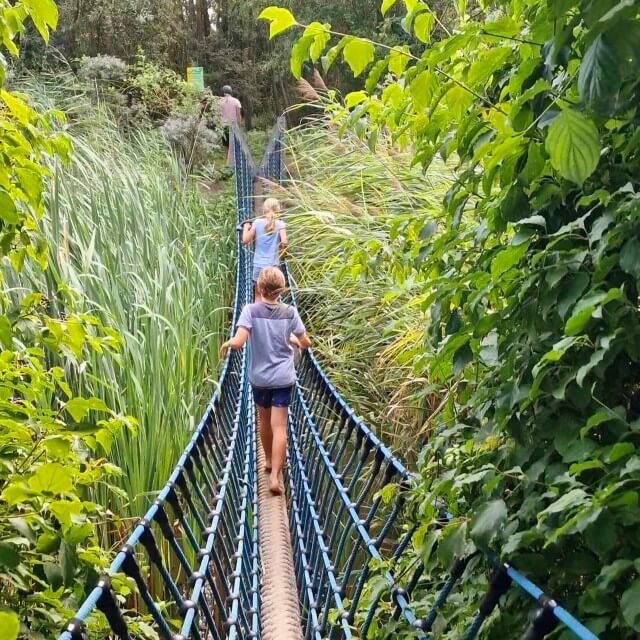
column 599, row 78
column 299, row 55
column 630, row 257
column 630, row 605
column 80, row 407
column 386, row 5
column 487, row 64
column 10, row 625
column 51, row 478
column 488, row 522
column 423, row 89
column 507, row 258
column 398, row 60
column 573, row 144
column 422, row 25
column 358, row 54
column 280, row 20
column 9, row 557
column 321, row 36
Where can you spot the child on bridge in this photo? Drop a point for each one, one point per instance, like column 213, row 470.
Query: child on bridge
column 269, row 235
column 269, row 325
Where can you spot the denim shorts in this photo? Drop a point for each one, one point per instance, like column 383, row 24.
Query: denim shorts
column 257, row 270
column 267, row 398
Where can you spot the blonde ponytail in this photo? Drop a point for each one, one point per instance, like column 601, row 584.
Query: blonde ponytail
column 270, row 210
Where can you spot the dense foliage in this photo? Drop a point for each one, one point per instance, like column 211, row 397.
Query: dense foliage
column 146, row 94
column 345, row 200
column 52, row 441
column 219, row 35
column 529, row 291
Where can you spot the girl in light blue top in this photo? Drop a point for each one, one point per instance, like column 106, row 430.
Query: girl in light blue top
column 269, row 235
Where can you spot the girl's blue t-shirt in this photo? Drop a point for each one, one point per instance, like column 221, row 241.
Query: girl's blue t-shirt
column 266, row 244
column 270, row 326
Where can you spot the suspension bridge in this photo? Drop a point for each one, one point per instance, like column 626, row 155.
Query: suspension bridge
column 232, row 561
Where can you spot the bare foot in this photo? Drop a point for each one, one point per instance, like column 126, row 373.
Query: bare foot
column 274, row 486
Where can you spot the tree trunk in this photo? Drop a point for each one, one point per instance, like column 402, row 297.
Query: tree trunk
column 204, row 22
column 247, row 107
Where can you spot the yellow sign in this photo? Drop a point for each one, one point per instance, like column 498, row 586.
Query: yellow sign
column 195, row 77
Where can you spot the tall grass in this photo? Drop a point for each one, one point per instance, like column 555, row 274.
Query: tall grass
column 153, row 259
column 351, row 212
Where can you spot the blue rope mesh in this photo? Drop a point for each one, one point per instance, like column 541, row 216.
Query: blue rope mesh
column 200, row 536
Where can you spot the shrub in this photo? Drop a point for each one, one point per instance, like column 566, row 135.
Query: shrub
column 107, row 70
column 190, row 138
column 159, row 90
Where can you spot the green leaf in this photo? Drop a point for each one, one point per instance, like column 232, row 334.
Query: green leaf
column 374, row 75
column 8, row 211
column 630, row 605
column 280, row 20
column 423, row 89
column 299, row 55
column 423, row 25
column 515, row 205
column 458, row 99
column 386, row 5
column 620, row 450
column 19, row 109
column 388, row 492
column 578, row 467
column 488, row 522
column 9, row 557
column 572, row 499
column 573, row 144
column 487, row 64
column 333, row 53
column 489, row 348
column 6, row 332
column 44, row 14
column 358, row 54
column 589, row 307
column 67, row 512
column 10, row 625
column 68, row 562
column 596, row 358
column 572, row 288
column 321, row 36
column 51, row 477
column 630, row 258
column 610, row 573
column 398, row 60
column 599, row 79
column 48, row 543
column 355, row 98
column 453, row 543
column 507, row 258
column 80, row 407
column 462, row 358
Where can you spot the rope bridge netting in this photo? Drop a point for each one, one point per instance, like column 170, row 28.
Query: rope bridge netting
column 195, row 556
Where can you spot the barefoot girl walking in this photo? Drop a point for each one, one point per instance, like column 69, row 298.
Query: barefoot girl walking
column 268, row 325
